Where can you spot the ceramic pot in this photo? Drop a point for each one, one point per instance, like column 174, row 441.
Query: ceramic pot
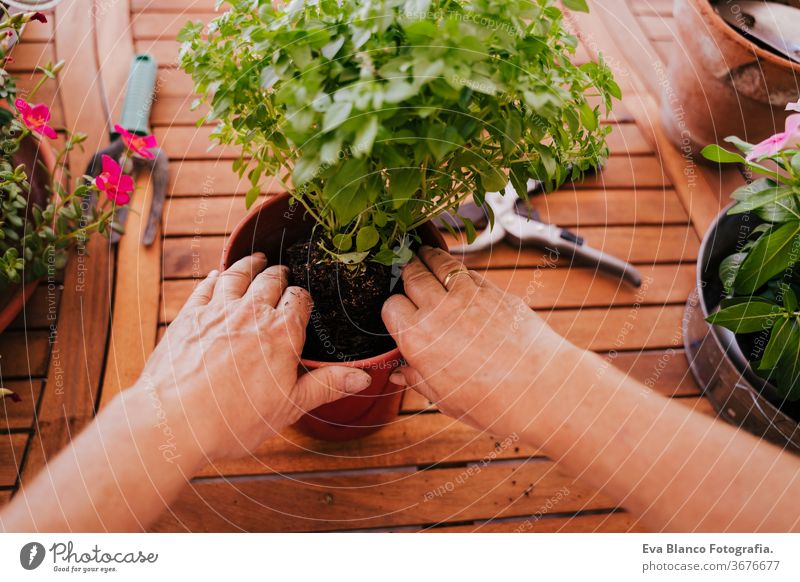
column 719, row 83
column 274, row 226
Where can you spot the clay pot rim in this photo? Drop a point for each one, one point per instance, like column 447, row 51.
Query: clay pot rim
column 365, row 363
column 707, row 12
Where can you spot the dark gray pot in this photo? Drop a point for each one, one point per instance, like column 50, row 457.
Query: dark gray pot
column 717, row 362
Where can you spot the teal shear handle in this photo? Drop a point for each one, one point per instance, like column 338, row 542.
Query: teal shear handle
column 139, row 96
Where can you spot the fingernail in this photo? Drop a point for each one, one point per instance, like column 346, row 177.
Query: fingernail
column 398, row 379
column 425, row 248
column 357, row 381
column 213, row 273
column 260, row 255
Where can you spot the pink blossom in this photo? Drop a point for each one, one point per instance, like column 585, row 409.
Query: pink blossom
column 36, row 117
column 114, row 183
column 772, row 145
column 138, row 144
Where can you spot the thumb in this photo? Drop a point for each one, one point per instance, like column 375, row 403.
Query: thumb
column 407, row 376
column 327, row 384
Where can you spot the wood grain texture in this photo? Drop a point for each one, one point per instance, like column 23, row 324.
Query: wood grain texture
column 12, row 452
column 73, row 380
column 395, row 498
column 135, row 316
column 615, row 522
column 20, row 415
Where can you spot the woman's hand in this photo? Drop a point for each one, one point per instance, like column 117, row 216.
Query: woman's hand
column 228, row 364
column 472, row 349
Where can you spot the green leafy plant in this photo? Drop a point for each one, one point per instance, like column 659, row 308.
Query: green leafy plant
column 761, row 277
column 384, row 114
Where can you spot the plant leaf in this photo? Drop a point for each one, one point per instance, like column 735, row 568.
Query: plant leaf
column 788, row 369
column 577, row 5
column 751, row 315
column 779, row 335
column 367, row 238
column 336, row 115
column 771, row 255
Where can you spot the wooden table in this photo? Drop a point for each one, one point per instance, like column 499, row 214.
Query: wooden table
column 423, row 472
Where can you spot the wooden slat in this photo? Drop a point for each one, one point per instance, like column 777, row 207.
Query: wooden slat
column 193, row 143
column 659, row 7
column 411, row 440
column 135, row 317
column 73, row 380
column 28, row 55
column 616, row 522
column 211, row 178
column 20, row 415
column 393, row 498
column 36, row 31
column 164, row 51
column 176, row 110
column 620, row 328
column 623, row 172
column 610, row 207
column 5, row 496
column 658, row 28
column 23, row 355
column 160, row 26
column 627, row 140
column 174, row 83
column 12, row 451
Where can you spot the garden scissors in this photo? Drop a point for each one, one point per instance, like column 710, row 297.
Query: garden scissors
column 529, row 231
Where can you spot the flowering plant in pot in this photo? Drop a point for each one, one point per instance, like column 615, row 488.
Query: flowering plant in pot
column 759, row 276
column 378, row 116
column 42, row 215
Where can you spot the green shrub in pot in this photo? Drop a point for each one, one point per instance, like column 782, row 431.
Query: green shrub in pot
column 762, row 278
column 383, row 114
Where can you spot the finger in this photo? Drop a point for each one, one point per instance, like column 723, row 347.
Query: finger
column 327, row 384
column 296, row 304
column 408, row 376
column 269, row 285
column 397, row 312
column 203, row 291
column 421, row 286
column 442, row 264
column 234, row 281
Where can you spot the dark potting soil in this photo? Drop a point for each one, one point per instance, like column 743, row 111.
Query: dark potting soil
column 346, row 320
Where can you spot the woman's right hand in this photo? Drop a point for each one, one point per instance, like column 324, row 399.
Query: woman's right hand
column 472, row 349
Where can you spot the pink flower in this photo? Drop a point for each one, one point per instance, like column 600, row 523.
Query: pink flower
column 114, row 183
column 36, row 117
column 789, row 137
column 793, row 106
column 138, row 144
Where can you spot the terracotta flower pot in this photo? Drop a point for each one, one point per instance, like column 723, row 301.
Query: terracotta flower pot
column 31, row 151
column 274, row 226
column 718, row 83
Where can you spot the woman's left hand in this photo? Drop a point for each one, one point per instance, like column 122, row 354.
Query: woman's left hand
column 227, row 367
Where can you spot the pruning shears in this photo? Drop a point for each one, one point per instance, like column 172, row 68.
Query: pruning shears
column 528, row 230
column 135, row 118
